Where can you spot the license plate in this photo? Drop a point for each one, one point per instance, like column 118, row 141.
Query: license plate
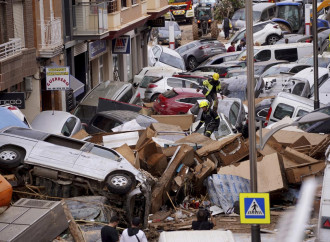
column 178, row 12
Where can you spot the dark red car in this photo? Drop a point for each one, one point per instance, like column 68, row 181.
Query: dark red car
column 176, row 101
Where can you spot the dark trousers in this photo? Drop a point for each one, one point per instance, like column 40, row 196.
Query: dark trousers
column 213, row 100
column 226, row 30
column 209, row 129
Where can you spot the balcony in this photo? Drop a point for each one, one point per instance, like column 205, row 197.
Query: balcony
column 90, row 20
column 157, row 8
column 15, row 63
column 50, row 38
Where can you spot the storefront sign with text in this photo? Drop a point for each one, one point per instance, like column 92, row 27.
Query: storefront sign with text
column 58, row 78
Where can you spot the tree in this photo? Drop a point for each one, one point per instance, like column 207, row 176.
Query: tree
column 226, row 8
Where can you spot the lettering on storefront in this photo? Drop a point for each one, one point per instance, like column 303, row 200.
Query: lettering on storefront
column 96, row 48
column 16, row 99
column 57, row 78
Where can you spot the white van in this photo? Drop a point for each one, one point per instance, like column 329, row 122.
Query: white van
column 287, row 104
column 290, row 52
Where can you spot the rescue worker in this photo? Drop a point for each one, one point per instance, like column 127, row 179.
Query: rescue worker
column 213, row 87
column 209, row 118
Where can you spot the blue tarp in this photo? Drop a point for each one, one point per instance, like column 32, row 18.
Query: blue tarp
column 7, row 118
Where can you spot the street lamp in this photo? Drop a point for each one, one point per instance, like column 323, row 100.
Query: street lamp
column 306, row 119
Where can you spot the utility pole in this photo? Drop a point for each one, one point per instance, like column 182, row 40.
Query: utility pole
column 315, row 55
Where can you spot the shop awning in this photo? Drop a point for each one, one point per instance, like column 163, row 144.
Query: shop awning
column 77, row 86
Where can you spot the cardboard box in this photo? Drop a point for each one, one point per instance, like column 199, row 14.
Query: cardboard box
column 271, row 174
column 297, row 174
column 183, row 120
column 145, row 137
column 128, row 154
column 234, row 152
column 298, row 156
column 157, row 164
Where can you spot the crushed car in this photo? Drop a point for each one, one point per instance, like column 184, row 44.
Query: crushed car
column 67, row 167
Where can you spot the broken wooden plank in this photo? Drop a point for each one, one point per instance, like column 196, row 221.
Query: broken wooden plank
column 73, row 227
column 298, row 156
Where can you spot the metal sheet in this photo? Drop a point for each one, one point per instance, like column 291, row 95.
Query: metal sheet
column 11, row 214
column 2, row 226
column 12, row 231
column 31, row 216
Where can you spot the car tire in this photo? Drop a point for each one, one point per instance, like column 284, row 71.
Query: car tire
column 154, row 97
column 195, row 31
column 119, row 183
column 272, row 39
column 192, row 63
column 214, row 30
column 10, row 157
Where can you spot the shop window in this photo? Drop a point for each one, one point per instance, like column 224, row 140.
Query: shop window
column 101, row 79
column 112, row 6
column 123, row 3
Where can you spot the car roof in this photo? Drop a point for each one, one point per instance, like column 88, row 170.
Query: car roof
column 224, row 55
column 296, row 98
column 51, row 121
column 289, row 65
column 310, row 71
column 261, row 6
column 184, row 75
column 25, row 132
column 265, row 63
column 170, row 51
column 284, row 46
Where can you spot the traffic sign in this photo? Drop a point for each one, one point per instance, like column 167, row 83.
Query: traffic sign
column 254, row 208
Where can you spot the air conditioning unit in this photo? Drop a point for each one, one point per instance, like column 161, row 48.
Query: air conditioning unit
column 32, row 220
column 28, row 84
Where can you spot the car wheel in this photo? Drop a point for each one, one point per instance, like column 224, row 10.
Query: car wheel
column 154, row 97
column 10, row 157
column 272, row 39
column 192, row 63
column 119, row 183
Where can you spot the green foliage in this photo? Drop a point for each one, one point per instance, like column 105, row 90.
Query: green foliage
column 226, row 8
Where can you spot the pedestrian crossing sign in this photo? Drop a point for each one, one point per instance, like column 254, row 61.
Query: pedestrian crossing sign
column 254, row 208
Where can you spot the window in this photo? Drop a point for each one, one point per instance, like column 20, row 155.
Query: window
column 62, row 141
column 103, row 152
column 263, row 113
column 301, row 112
column 191, row 100
column 127, row 96
column 264, row 16
column 174, row 82
column 156, row 50
column 297, row 69
column 69, row 126
column 134, row 2
column 123, row 3
column 287, row 54
column 189, row 84
column 218, row 61
column 263, row 55
column 233, row 113
column 271, row 13
column 146, row 80
column 298, row 88
column 104, row 123
column 283, row 110
column 112, row 6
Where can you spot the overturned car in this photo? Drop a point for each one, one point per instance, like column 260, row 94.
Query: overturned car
column 67, row 167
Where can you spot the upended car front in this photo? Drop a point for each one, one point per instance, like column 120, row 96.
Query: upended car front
column 67, row 167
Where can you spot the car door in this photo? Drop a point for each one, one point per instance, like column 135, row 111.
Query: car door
column 97, row 162
column 154, row 54
column 56, row 152
column 174, row 82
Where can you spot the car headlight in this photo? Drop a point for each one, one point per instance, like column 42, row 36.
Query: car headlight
column 178, row 36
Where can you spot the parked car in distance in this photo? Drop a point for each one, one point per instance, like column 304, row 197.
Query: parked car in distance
column 209, row 70
column 265, row 33
column 220, row 58
column 177, row 101
column 73, row 167
column 57, row 122
column 17, row 112
column 165, row 84
column 198, row 51
column 323, row 60
column 118, row 91
column 162, row 56
column 287, row 104
column 104, row 122
column 163, row 33
column 260, row 12
column 8, row 118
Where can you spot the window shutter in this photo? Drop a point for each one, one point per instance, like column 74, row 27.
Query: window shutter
column 19, row 21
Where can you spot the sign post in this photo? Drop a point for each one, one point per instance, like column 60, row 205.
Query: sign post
column 57, row 78
column 254, row 208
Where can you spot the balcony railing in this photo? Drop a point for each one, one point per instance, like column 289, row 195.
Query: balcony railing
column 10, row 48
column 51, row 33
column 91, row 18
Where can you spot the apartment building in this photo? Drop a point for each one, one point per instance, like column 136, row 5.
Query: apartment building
column 17, row 52
column 97, row 40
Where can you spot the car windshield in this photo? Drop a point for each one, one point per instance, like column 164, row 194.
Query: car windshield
column 166, row 27
column 240, row 15
column 322, row 61
column 203, row 12
column 172, row 61
column 146, row 80
column 258, row 69
column 325, row 110
column 276, row 70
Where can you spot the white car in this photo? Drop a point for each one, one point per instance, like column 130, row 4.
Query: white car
column 264, row 33
column 17, row 112
column 151, row 73
column 159, row 86
column 163, row 56
column 69, row 167
column 57, row 122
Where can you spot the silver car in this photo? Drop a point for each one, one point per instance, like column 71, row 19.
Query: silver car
column 69, row 167
column 163, row 34
column 157, row 86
